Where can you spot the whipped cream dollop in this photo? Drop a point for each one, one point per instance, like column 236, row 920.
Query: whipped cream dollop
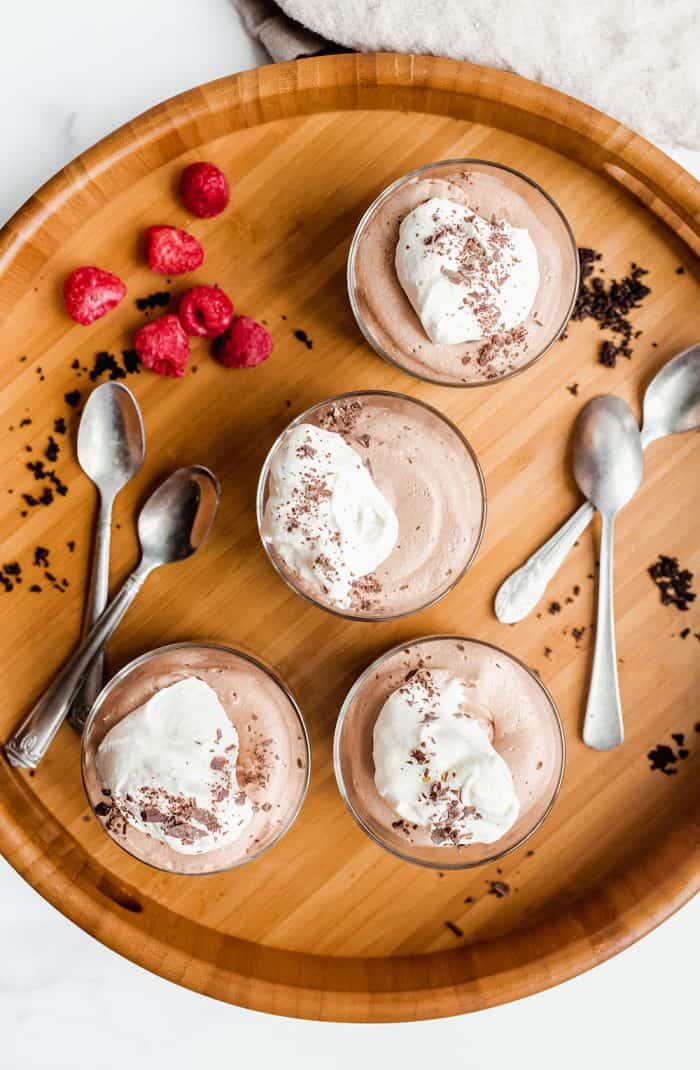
column 325, row 517
column 170, row 769
column 467, row 278
column 435, row 764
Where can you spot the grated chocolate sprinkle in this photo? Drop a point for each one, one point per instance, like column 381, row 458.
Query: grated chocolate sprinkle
column 674, row 583
column 609, row 304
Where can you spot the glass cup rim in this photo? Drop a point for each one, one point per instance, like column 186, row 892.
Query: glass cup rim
column 143, row 659
column 347, row 702
column 265, row 471
column 386, row 192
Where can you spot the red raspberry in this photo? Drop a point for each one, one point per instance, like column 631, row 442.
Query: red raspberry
column 205, row 311
column 245, row 344
column 163, row 346
column 204, row 190
column 90, row 292
column 171, row 251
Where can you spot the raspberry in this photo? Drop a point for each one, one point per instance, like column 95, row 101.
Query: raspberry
column 205, row 311
column 204, row 190
column 163, row 346
column 90, row 292
column 245, row 344
column 171, row 251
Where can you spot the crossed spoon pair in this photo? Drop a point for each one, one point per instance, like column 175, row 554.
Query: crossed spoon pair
column 608, row 468
column 172, row 525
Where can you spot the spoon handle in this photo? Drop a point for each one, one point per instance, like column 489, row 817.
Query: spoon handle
column 34, row 735
column 602, row 725
column 98, row 595
column 521, row 591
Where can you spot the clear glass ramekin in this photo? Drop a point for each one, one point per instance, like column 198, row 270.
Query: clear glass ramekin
column 354, row 764
column 559, row 278
column 419, row 593
column 288, row 769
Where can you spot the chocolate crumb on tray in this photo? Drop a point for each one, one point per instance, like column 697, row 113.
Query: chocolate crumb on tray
column 674, row 583
column 52, row 450
column 131, row 361
column 159, row 299
column 609, row 304
column 302, row 336
column 106, row 362
column 663, row 757
column 41, row 557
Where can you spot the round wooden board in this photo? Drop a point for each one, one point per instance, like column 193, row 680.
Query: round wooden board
column 327, row 925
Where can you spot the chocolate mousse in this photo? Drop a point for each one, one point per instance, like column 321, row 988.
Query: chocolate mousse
column 462, row 274
column 371, row 505
column 195, row 759
column 449, row 747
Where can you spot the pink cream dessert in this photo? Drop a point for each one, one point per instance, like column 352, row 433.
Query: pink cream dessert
column 463, row 273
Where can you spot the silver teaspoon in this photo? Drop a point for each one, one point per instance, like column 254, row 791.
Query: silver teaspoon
column 608, row 467
column 671, row 406
column 111, row 446
column 172, row 525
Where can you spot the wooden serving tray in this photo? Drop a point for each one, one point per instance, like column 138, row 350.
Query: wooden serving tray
column 327, row 925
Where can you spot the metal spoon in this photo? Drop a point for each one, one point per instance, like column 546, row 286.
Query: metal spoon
column 671, row 406
column 172, row 525
column 111, row 447
column 608, row 467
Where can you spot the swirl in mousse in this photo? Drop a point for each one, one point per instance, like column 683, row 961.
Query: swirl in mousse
column 371, row 505
column 449, row 752
column 195, row 759
column 463, row 273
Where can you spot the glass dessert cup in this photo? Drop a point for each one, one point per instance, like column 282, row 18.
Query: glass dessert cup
column 371, row 257
column 458, row 526
column 277, row 795
column 354, row 762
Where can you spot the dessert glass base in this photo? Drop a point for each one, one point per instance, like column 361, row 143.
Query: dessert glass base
column 385, row 315
column 428, row 472
column 527, row 733
column 273, row 758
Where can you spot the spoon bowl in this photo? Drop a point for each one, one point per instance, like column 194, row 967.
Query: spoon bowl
column 672, row 399
column 176, row 518
column 111, row 440
column 608, row 458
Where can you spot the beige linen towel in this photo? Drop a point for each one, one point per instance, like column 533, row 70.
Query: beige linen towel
column 634, row 59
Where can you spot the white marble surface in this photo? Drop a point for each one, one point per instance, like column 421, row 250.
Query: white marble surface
column 70, row 73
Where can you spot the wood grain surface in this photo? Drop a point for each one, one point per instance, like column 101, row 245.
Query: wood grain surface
column 327, row 925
